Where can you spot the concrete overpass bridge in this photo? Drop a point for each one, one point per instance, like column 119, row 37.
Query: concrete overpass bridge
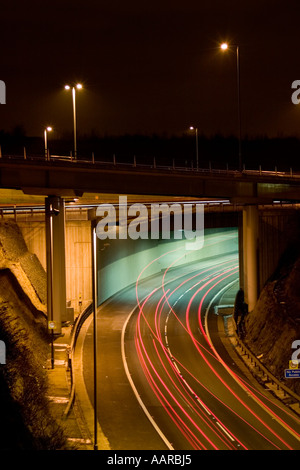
column 248, row 204
column 67, row 178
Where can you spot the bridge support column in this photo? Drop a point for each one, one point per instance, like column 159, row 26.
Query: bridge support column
column 55, row 257
column 250, row 255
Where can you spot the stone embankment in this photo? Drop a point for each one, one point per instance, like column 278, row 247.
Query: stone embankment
column 26, row 419
column 274, row 325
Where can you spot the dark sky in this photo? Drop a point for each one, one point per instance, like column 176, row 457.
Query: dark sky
column 150, row 67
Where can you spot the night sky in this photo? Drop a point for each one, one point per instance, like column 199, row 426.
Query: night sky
column 150, row 67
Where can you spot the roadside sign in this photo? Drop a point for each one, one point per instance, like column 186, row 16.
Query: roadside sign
column 51, row 325
column 292, row 373
column 294, row 364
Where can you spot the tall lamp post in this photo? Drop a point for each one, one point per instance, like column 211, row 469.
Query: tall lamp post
column 95, row 305
column 48, row 129
column 196, row 134
column 225, row 47
column 74, row 88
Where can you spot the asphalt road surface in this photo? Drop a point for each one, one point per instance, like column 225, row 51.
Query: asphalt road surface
column 166, row 381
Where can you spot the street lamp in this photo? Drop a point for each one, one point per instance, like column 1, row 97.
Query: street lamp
column 95, row 305
column 78, row 86
column 197, row 156
column 47, row 129
column 224, row 47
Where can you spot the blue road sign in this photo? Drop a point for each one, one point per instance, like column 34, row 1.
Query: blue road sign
column 292, row 373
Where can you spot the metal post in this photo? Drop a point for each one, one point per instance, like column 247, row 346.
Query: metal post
column 51, row 284
column 74, row 120
column 95, row 297
column 196, row 135
column 45, row 138
column 239, row 105
column 197, row 156
column 225, row 46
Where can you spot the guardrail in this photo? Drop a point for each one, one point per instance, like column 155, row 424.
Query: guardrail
column 153, row 165
column 251, row 361
column 266, row 376
column 74, row 335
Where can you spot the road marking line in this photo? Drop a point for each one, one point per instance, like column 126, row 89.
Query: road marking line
column 224, row 430
column 163, row 437
column 58, row 399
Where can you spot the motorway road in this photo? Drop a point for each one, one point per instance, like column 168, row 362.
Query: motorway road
column 166, row 381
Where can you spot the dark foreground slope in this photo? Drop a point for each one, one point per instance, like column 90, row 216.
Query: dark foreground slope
column 26, row 421
column 274, row 324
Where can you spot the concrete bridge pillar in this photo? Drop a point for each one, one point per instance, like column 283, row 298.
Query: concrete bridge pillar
column 250, row 255
column 55, row 258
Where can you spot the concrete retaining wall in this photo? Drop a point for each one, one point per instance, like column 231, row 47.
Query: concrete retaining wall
column 121, row 262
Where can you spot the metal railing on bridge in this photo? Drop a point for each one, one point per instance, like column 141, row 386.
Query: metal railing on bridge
column 155, row 163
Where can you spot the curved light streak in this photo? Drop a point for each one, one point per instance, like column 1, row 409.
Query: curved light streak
column 155, row 380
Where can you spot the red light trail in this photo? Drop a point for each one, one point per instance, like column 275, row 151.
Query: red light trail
column 192, row 415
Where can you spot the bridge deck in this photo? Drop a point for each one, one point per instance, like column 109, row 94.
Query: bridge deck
column 63, row 177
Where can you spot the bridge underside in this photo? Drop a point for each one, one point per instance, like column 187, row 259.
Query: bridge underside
column 263, row 234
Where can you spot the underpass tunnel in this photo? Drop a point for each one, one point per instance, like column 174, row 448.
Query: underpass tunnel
column 257, row 235
column 122, row 261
